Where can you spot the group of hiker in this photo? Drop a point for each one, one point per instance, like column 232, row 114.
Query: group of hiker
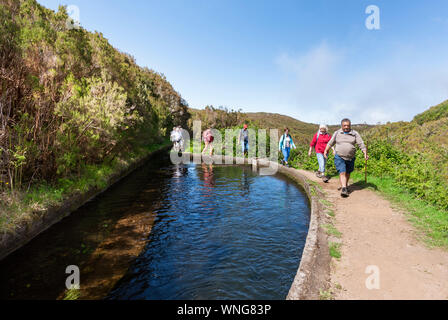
column 343, row 144
column 207, row 136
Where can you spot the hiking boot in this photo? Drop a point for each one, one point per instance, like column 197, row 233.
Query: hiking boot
column 318, row 174
column 344, row 193
column 325, row 179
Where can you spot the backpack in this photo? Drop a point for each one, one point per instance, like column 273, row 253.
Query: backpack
column 286, row 137
column 208, row 136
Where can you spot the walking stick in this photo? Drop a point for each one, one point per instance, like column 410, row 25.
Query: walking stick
column 365, row 167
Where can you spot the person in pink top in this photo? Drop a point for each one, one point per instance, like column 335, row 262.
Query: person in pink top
column 208, row 138
column 319, row 143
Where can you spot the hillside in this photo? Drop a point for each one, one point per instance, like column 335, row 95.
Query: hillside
column 69, row 99
column 428, row 130
column 426, row 135
column 301, row 131
column 435, row 113
column 415, row 153
column 74, row 111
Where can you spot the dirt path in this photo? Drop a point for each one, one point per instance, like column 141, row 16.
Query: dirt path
column 373, row 234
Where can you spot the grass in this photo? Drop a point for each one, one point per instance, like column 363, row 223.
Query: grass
column 338, row 286
column 332, row 231
column 325, row 295
column 331, row 213
column 72, row 294
column 316, row 185
column 313, row 191
column 21, row 207
column 326, row 203
column 431, row 221
column 335, row 250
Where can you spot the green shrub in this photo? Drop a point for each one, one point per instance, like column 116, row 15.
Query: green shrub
column 79, row 101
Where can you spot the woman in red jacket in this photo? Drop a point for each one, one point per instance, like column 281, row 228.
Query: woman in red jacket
column 320, row 142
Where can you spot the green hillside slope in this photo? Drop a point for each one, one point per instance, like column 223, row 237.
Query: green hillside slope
column 417, row 153
column 68, row 98
column 435, row 113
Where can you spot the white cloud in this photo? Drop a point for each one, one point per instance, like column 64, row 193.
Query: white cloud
column 326, row 87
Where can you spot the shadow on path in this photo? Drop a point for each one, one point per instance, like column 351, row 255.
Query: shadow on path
column 361, row 185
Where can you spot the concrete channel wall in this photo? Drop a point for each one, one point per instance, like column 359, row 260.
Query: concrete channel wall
column 314, row 270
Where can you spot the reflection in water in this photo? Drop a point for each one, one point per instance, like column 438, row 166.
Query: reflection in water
column 208, row 185
column 207, row 171
column 245, row 184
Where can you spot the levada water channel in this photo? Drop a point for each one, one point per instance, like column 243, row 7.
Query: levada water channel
column 171, row 232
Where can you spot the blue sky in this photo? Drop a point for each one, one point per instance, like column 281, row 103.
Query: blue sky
column 314, row 60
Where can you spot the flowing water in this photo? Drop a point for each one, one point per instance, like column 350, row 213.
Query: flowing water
column 172, row 232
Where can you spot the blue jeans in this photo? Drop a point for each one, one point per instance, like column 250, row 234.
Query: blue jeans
column 245, row 146
column 286, row 153
column 322, row 162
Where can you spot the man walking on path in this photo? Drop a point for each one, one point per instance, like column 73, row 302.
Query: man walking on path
column 345, row 140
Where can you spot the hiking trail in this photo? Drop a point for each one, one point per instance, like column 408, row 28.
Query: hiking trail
column 375, row 234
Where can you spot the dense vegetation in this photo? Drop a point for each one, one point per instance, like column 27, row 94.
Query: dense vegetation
column 415, row 154
column 69, row 101
column 217, row 118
